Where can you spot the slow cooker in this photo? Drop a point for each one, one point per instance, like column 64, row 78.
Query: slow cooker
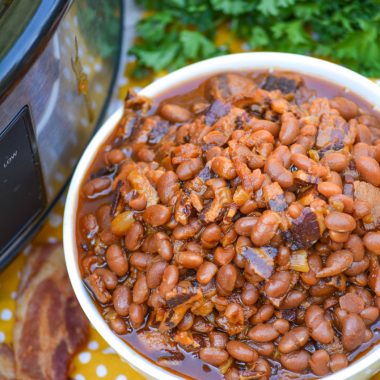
column 58, row 64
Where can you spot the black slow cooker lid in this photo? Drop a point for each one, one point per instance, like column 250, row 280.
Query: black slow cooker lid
column 26, row 26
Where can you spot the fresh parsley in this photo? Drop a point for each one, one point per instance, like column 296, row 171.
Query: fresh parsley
column 177, row 32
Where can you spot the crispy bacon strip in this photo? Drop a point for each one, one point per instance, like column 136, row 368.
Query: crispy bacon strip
column 50, row 325
column 7, row 363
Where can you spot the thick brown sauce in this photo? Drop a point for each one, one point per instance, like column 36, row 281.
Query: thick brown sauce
column 191, row 367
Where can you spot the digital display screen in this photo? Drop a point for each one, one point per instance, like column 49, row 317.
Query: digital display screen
column 22, row 192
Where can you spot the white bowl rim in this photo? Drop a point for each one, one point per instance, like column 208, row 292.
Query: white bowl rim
column 331, row 72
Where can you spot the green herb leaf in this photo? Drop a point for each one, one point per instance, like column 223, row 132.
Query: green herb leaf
column 273, row 7
column 233, row 7
column 182, row 31
column 196, row 45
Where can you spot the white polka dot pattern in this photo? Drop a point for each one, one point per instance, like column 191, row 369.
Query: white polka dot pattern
column 84, row 357
column 6, row 315
column 101, row 370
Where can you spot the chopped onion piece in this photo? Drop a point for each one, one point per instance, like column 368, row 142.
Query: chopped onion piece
column 298, row 261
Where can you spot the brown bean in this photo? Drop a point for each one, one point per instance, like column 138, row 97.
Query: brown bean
column 109, row 278
column 165, row 249
column 145, row 154
column 140, row 290
column 302, row 162
column 189, row 260
column 357, row 267
column 189, row 169
column 263, row 314
column 226, row 278
column 369, row 315
column 340, row 222
column 353, row 332
column 206, row 272
column 371, row 241
column 361, row 209
column 223, row 167
column 263, row 333
column 249, row 206
column 213, row 356
column 243, row 226
column 351, row 302
column 278, row 173
column 212, row 233
column 293, row 340
column 369, row 169
column 319, row 327
column 356, row 246
column 154, row 274
column 117, row 260
column 319, row 362
column 265, row 228
column 283, row 256
column 336, row 263
column 118, row 325
column 229, row 237
column 296, row 361
column 122, row 223
column 363, row 134
column 265, row 125
column 89, row 225
column 338, row 361
column 167, row 186
column 342, row 202
column 103, row 216
column 297, row 148
column 278, row 284
column 140, row 260
column 157, row 215
column 138, row 203
column 250, row 294
column 169, row 279
column 114, row 156
column 293, row 299
column 187, row 322
column 184, row 232
column 281, row 325
column 97, row 186
column 336, row 161
column 134, row 236
column 328, row 189
column 339, row 237
column 374, row 281
column 136, row 314
column 282, row 153
column 362, row 149
column 295, row 210
column 174, row 113
column 289, row 129
column 225, row 255
column 241, row 351
column 347, row 108
column 122, row 299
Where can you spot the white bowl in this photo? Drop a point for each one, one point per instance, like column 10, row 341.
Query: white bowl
column 351, row 81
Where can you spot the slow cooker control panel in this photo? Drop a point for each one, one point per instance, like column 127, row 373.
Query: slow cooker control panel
column 22, row 192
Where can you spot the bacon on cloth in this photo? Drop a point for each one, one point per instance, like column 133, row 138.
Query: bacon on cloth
column 7, row 364
column 50, row 325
